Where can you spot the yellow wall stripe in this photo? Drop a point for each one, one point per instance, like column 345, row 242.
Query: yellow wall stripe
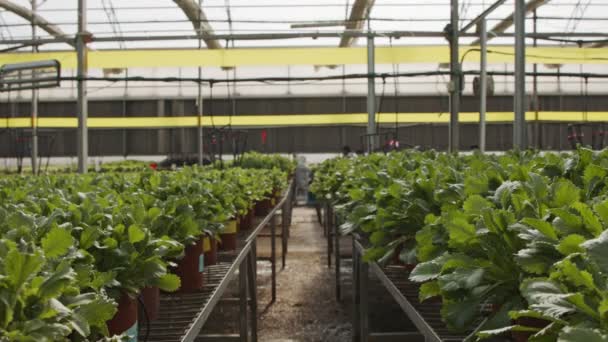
column 297, row 120
column 305, row 56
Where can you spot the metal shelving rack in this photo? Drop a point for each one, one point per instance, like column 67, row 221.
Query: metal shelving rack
column 425, row 316
column 182, row 316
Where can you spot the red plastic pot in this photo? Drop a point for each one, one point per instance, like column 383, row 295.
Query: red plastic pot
column 228, row 236
column 523, row 336
column 190, row 268
column 210, row 251
column 151, row 299
column 125, row 319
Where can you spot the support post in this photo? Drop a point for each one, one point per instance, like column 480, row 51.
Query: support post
column 337, row 256
column 284, row 229
column 364, row 300
column 34, row 97
column 273, row 255
column 455, row 75
column 519, row 124
column 329, row 230
column 252, row 271
column 537, row 125
column 356, row 294
column 199, row 132
column 371, row 94
column 483, row 78
column 81, row 50
column 243, row 313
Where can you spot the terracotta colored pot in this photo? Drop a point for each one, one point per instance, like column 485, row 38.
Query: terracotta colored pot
column 434, row 300
column 263, row 207
column 246, row 221
column 125, row 319
column 210, row 249
column 228, row 236
column 190, row 268
column 151, row 299
column 523, row 336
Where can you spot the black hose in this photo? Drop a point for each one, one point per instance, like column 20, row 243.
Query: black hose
column 143, row 306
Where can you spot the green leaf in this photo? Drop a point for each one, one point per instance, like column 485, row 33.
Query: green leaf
column 98, row 312
column 169, row 282
column 461, row 279
column 153, row 213
column 592, row 177
column 579, row 334
column 538, row 185
column 567, row 270
column 461, row 232
column 80, row 324
column 475, row 204
column 571, row 244
column 542, row 226
column 426, row 271
column 136, row 233
column 88, row 236
column 591, row 222
column 429, row 290
column 602, row 211
column 460, row 314
column 57, row 242
column 597, row 249
column 54, row 285
column 20, row 267
column 564, row 193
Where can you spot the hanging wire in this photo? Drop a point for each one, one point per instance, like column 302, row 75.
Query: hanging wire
column 108, row 7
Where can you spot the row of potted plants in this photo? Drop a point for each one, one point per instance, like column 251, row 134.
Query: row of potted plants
column 516, row 241
column 78, row 249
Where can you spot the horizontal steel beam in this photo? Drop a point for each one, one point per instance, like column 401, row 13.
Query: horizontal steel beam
column 313, row 35
column 482, row 16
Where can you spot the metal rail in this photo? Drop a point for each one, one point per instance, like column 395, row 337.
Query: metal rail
column 182, row 316
column 289, row 35
column 425, row 316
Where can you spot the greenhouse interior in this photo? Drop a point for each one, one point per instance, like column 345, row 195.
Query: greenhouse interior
column 320, row 170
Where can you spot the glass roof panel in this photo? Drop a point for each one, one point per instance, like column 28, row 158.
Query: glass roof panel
column 115, row 18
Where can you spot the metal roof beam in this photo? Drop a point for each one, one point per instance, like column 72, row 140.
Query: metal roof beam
column 482, row 16
column 504, row 24
column 199, row 20
column 40, row 21
column 359, row 12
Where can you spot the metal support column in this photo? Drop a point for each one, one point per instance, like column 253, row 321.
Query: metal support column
column 537, row 125
column 253, row 271
column 483, row 84
column 243, row 312
column 328, row 230
column 34, row 97
column 371, row 94
column 336, row 233
column 273, row 256
column 455, row 76
column 519, row 124
column 284, row 229
column 364, row 300
column 81, row 50
column 199, row 132
column 356, row 295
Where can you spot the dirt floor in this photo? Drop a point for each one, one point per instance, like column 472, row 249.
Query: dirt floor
column 306, row 309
